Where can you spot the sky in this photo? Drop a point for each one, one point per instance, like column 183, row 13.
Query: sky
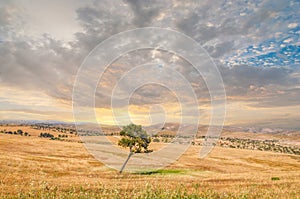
column 254, row 44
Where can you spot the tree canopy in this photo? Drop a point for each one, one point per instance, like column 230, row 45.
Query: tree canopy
column 135, row 138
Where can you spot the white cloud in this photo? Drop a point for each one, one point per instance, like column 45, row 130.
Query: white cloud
column 292, row 25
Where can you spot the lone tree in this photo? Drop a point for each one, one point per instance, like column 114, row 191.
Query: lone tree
column 136, row 139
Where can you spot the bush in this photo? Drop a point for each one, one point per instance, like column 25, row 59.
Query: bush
column 155, row 140
column 46, row 135
column 62, row 136
column 20, row 132
column 275, row 178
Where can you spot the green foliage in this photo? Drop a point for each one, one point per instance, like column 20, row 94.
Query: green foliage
column 46, row 135
column 62, row 136
column 135, row 138
column 275, row 178
column 20, row 132
column 161, row 171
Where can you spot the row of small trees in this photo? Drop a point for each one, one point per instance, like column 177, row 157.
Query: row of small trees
column 54, row 128
column 18, row 132
column 49, row 135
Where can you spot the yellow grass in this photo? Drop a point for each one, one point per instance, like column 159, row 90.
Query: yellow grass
column 35, row 166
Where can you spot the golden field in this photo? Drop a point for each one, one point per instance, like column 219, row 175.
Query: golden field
column 34, row 167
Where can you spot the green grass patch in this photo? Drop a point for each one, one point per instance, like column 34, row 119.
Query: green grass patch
column 275, row 178
column 162, row 172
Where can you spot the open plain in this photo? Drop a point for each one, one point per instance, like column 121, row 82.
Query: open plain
column 38, row 167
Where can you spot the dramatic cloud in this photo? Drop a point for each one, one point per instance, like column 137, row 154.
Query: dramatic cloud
column 255, row 44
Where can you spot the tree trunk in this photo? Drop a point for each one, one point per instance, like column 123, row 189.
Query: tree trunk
column 129, row 155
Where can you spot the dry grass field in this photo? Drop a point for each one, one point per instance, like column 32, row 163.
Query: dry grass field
column 34, row 167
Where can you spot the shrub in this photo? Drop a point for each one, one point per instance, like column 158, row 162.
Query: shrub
column 46, row 135
column 20, row 132
column 275, row 178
